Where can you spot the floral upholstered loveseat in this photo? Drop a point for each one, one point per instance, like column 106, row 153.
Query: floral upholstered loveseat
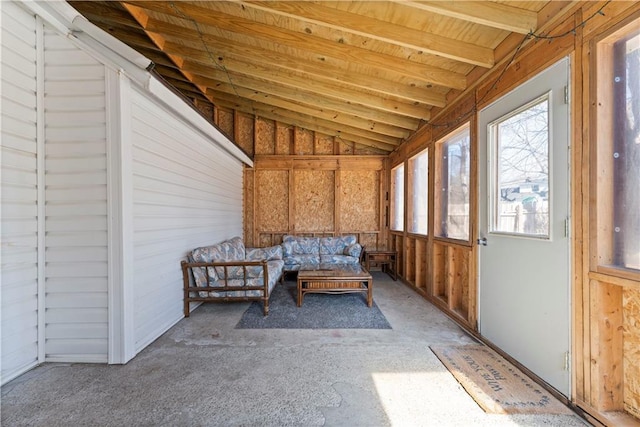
column 309, row 253
column 228, row 271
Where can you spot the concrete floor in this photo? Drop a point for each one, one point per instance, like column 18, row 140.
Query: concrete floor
column 203, row 372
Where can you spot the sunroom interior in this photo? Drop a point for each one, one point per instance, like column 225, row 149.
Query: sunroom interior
column 494, row 145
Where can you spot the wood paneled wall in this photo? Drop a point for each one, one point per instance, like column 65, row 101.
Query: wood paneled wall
column 306, row 183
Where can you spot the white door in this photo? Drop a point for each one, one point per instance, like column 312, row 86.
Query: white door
column 524, row 289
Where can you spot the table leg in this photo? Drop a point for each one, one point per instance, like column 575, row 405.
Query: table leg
column 369, row 293
column 299, row 293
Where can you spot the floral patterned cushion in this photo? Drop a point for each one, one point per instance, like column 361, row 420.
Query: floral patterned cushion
column 353, row 250
column 258, row 254
column 293, row 245
column 336, row 245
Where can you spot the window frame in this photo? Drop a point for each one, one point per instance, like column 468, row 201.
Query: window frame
column 439, row 173
column 411, row 204
column 397, row 210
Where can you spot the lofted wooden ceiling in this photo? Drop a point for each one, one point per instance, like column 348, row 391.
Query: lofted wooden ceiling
column 368, row 72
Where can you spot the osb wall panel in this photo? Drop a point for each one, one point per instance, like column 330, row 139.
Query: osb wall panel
column 370, row 241
column 248, row 200
column 265, row 142
column 323, row 144
column 345, row 147
column 360, row 200
column 244, row 132
column 303, row 141
column 224, row 120
column 284, row 139
column 272, row 206
column 631, row 336
column 314, row 195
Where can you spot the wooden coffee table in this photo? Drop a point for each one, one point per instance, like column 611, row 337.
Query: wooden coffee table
column 335, row 280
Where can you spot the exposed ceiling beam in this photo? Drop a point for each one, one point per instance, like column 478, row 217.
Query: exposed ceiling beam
column 249, row 76
column 495, row 15
column 378, row 30
column 310, row 110
column 190, row 14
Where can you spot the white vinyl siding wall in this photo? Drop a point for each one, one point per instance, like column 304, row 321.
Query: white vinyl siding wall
column 187, row 192
column 19, row 190
column 76, row 204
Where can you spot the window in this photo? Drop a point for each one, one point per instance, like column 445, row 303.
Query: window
column 618, row 149
column 452, row 185
column 520, row 179
column 397, row 198
column 418, row 192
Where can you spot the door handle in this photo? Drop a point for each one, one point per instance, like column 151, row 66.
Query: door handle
column 482, row 241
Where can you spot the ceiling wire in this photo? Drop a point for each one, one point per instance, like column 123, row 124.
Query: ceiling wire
column 211, row 55
column 531, row 35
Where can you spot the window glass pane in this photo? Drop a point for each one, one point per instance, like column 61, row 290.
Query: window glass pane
column 418, row 191
column 452, row 203
column 397, row 198
column 521, row 189
column 623, row 158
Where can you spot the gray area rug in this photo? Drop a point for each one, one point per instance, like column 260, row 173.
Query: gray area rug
column 318, row 311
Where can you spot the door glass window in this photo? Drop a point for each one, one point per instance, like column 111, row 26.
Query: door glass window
column 520, row 175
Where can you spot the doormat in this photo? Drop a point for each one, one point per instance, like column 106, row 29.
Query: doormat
column 318, row 311
column 495, row 384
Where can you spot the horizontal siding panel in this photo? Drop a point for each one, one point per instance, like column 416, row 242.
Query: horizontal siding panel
column 76, row 74
column 90, row 133
column 86, row 165
column 97, row 178
column 71, row 285
column 76, row 331
column 78, row 223
column 75, row 238
column 186, row 190
column 20, row 23
column 18, row 78
column 19, row 127
column 67, row 57
column 18, row 193
column 15, row 293
column 93, row 103
column 61, row 119
column 76, row 195
column 18, row 179
column 12, row 91
column 80, row 193
column 81, row 300
column 24, row 256
column 78, row 254
column 97, row 207
column 19, row 312
column 75, row 315
column 20, row 59
column 20, row 160
column 18, row 109
column 68, row 348
column 18, row 226
column 70, row 89
column 18, row 144
column 75, row 149
column 76, row 269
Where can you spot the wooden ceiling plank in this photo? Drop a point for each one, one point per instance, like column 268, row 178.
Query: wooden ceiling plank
column 495, row 15
column 247, row 78
column 379, row 30
column 325, row 72
column 357, row 55
column 337, row 117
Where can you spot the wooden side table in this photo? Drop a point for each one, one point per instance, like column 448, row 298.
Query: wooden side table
column 386, row 260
